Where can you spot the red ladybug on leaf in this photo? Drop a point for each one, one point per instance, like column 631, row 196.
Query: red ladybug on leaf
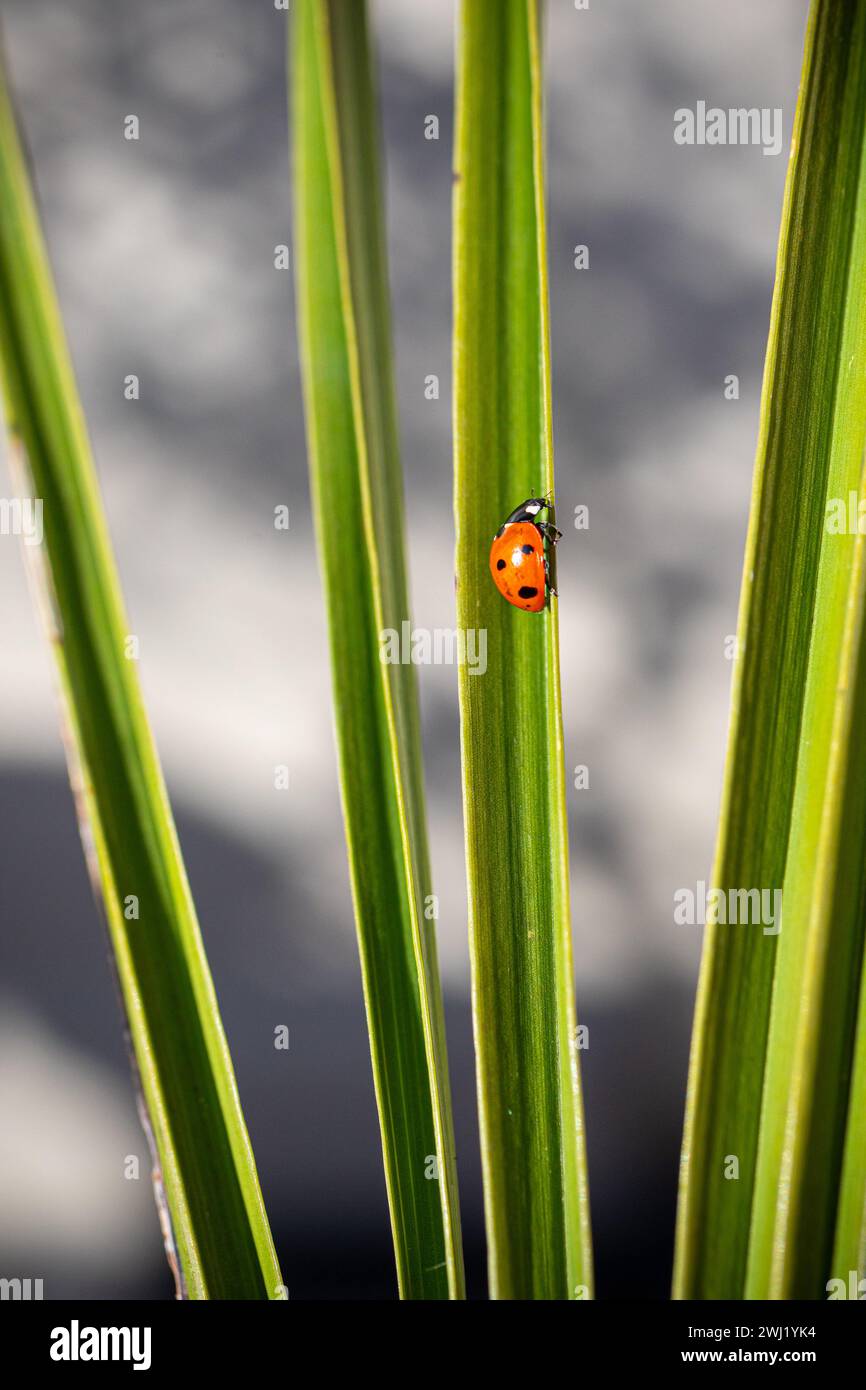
column 519, row 561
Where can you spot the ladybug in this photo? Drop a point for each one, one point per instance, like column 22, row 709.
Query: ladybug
column 518, row 562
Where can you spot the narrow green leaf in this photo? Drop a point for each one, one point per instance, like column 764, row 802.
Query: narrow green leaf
column 813, row 1020
column 784, row 1083
column 219, row 1229
column 849, row 1251
column 342, row 291
column 815, row 988
column 513, row 771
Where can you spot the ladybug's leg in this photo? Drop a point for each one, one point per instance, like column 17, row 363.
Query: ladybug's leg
column 550, row 534
column 550, row 587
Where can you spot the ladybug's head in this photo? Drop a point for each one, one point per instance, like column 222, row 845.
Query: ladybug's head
column 528, row 510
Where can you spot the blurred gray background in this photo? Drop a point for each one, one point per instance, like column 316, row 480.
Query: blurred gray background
column 163, row 253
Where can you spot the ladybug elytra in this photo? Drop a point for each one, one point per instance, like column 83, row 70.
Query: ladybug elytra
column 519, row 563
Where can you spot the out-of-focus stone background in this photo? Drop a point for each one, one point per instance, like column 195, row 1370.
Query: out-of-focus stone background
column 163, row 252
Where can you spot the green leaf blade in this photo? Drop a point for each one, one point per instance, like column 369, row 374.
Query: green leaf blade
column 748, row 1093
column 357, row 492
column 511, row 723
column 849, row 1248
column 219, row 1240
column 813, row 1014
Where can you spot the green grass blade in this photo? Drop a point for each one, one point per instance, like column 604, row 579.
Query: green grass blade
column 513, row 774
column 784, row 710
column 220, row 1229
column 813, row 1020
column 817, row 973
column 849, row 1250
column 357, row 491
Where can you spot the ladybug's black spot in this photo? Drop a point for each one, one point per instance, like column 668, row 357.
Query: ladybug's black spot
column 526, row 591
column 527, row 549
column 500, row 564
